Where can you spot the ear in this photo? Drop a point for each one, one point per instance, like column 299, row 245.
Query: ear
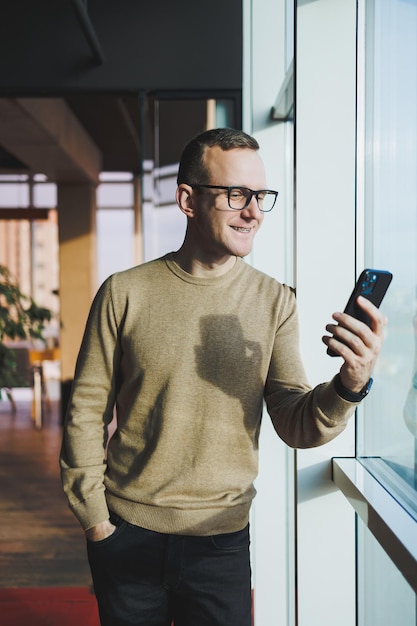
column 185, row 199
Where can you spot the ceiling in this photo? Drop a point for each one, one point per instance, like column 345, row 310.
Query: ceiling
column 101, row 87
column 124, row 129
column 113, row 123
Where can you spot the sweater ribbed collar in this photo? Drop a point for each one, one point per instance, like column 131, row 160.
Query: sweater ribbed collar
column 198, row 280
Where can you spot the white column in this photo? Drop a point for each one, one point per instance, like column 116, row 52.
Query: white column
column 325, row 245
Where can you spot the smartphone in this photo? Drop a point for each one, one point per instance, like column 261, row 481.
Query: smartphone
column 371, row 284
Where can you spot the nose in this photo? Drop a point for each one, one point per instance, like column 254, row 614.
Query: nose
column 252, row 211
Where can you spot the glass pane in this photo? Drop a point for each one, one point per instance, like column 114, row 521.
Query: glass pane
column 114, row 241
column 384, row 596
column 45, row 195
column 388, row 429
column 14, row 195
column 164, row 230
column 115, row 195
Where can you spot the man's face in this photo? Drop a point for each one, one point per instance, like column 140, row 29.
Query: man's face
column 221, row 230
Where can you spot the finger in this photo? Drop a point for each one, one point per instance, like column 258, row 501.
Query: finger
column 332, row 345
column 352, row 332
column 378, row 320
column 366, row 332
column 351, row 341
column 357, row 336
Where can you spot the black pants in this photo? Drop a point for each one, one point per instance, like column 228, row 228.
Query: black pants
column 144, row 578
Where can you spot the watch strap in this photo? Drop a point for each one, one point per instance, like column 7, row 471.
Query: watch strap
column 348, row 395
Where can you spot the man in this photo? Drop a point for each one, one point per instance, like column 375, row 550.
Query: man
column 187, row 347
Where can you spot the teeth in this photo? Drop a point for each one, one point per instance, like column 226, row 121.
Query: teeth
column 241, row 230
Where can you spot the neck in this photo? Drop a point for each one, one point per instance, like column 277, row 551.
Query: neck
column 198, row 264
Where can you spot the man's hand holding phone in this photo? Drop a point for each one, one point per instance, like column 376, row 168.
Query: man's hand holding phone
column 357, row 343
column 358, row 335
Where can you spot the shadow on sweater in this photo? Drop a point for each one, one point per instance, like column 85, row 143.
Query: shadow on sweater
column 233, row 364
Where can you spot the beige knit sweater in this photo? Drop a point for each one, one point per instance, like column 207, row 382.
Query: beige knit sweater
column 187, row 362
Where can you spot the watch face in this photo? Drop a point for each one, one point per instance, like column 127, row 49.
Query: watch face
column 367, row 387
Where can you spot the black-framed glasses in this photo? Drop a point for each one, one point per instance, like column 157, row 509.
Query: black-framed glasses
column 239, row 197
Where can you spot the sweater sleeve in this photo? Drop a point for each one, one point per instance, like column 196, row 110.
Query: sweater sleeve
column 302, row 417
column 90, row 410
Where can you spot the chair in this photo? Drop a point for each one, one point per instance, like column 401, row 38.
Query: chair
column 29, row 373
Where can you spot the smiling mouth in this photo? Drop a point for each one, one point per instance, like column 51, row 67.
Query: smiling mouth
column 241, row 229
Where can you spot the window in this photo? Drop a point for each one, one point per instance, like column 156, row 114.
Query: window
column 381, row 482
column 384, row 597
column 388, row 432
column 115, row 223
column 387, row 423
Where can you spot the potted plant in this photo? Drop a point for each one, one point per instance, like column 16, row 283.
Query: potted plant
column 20, row 318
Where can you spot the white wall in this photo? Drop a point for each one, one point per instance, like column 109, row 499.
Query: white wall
column 325, row 252
column 272, row 515
column 319, row 546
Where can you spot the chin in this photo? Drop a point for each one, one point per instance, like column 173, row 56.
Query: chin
column 242, row 252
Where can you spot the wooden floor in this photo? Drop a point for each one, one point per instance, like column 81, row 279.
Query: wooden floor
column 41, row 543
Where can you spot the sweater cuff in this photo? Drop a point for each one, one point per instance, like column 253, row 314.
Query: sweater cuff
column 91, row 511
column 336, row 408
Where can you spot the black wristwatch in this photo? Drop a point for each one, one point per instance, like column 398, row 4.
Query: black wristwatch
column 348, row 395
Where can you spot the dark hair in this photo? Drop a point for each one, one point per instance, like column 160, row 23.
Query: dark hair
column 192, row 169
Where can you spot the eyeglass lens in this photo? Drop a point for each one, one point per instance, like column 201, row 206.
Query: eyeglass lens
column 240, row 197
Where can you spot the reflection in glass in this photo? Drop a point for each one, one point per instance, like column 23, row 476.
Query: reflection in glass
column 384, row 596
column 388, row 430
